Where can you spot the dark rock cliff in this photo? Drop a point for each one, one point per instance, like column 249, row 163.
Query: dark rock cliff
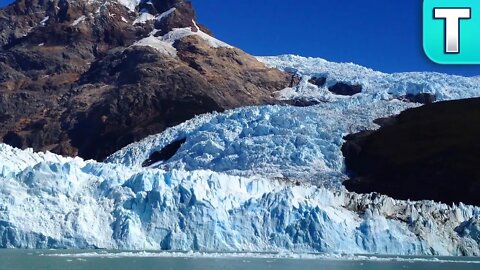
column 427, row 153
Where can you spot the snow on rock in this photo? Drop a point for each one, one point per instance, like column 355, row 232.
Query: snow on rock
column 79, row 20
column 56, row 202
column 375, row 83
column 143, row 18
column 165, row 14
column 179, row 33
column 163, row 47
column 130, row 4
column 44, row 20
column 164, row 44
column 303, row 144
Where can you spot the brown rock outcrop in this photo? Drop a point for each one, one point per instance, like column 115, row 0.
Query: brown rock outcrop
column 71, row 82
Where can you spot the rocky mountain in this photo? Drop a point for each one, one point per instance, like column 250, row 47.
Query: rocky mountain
column 429, row 152
column 89, row 77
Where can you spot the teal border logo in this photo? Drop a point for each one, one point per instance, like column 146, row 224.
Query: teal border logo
column 451, row 31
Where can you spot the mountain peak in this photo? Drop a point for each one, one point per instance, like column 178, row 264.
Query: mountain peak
column 139, row 16
column 89, row 77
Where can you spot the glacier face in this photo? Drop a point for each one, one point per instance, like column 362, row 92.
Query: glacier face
column 71, row 203
column 253, row 179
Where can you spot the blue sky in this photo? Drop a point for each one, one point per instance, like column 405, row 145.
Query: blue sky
column 383, row 35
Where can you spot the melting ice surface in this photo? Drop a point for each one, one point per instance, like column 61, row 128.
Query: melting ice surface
column 253, row 179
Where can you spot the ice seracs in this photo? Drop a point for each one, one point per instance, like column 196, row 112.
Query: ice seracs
column 83, row 204
column 374, row 83
column 303, row 144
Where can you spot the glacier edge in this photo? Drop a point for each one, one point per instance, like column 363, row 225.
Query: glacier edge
column 70, row 203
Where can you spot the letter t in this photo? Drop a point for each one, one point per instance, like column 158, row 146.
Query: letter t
column 452, row 17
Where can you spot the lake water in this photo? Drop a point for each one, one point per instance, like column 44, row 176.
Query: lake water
column 83, row 260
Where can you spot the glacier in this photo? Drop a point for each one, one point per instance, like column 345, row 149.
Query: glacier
column 265, row 178
column 302, row 144
column 378, row 85
column 72, row 203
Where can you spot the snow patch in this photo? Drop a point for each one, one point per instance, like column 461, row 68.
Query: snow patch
column 45, row 20
column 79, row 20
column 130, row 4
column 163, row 47
column 164, row 44
column 143, row 18
column 165, row 14
column 179, row 33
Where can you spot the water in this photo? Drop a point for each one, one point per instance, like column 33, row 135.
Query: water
column 83, row 260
